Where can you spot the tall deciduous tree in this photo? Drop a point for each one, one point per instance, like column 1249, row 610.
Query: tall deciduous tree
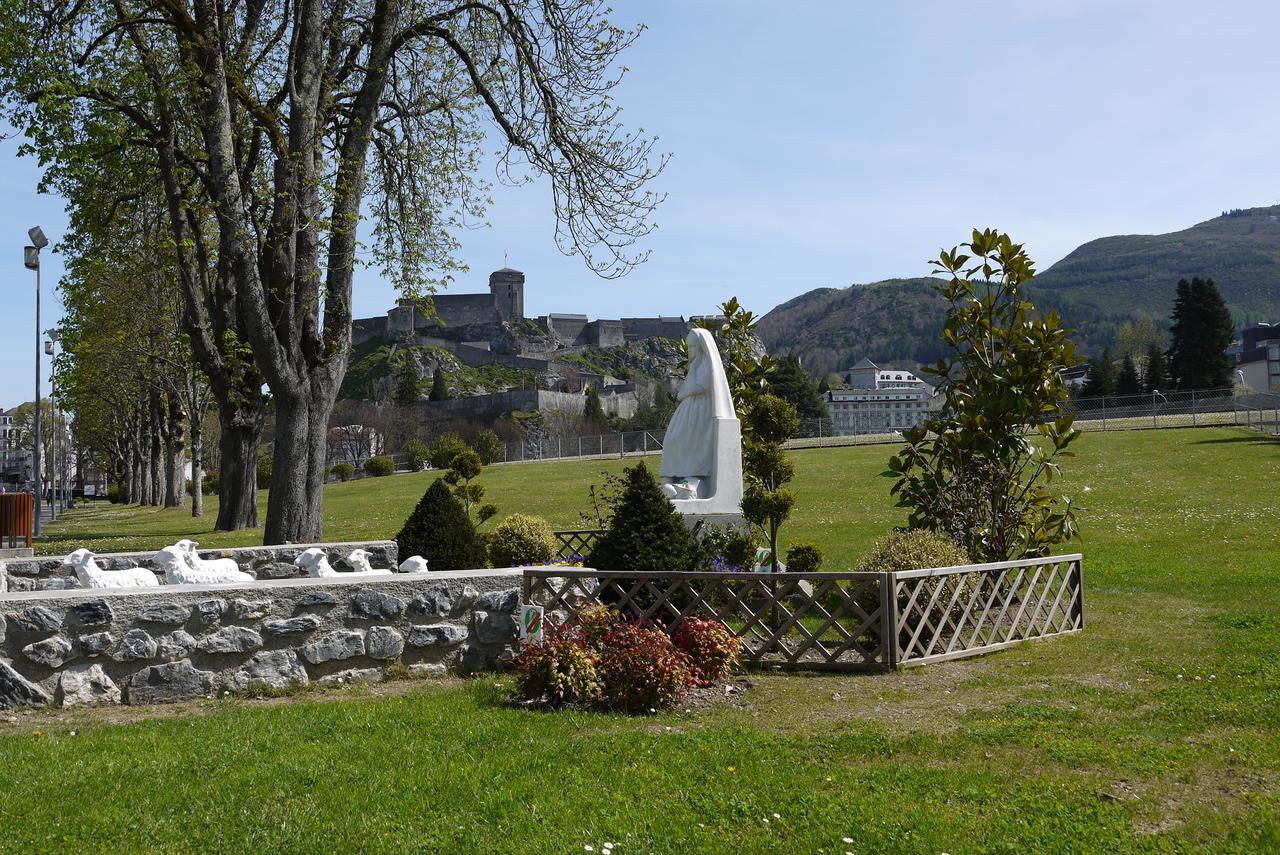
column 288, row 121
column 1201, row 333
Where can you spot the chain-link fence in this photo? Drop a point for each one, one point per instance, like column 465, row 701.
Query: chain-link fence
column 1201, row 408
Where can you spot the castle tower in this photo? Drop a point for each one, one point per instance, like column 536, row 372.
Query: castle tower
column 507, row 287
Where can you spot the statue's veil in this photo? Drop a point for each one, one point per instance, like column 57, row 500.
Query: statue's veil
column 722, row 401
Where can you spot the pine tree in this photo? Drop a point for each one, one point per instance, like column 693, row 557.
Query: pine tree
column 440, row 531
column 1127, row 381
column 790, row 382
column 439, row 391
column 1155, row 376
column 1100, row 382
column 1202, row 331
column 408, row 384
column 593, row 412
column 646, row 532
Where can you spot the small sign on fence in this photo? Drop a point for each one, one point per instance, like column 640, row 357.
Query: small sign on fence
column 531, row 618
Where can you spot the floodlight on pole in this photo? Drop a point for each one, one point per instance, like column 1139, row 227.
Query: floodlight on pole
column 37, row 237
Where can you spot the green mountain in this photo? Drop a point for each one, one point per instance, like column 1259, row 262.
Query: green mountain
column 1096, row 288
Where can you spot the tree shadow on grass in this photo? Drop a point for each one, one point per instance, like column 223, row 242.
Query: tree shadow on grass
column 1256, row 439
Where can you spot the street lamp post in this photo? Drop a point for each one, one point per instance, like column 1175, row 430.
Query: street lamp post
column 57, row 453
column 31, row 260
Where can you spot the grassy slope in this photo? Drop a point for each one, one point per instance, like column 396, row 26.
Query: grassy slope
column 1157, row 729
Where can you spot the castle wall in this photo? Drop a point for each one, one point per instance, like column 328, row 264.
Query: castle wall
column 457, row 310
column 605, row 334
column 660, row 327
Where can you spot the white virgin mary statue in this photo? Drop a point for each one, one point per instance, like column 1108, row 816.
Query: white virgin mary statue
column 702, row 451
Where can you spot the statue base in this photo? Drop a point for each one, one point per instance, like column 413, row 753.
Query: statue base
column 723, row 487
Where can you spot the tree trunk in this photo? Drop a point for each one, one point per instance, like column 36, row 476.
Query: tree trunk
column 175, row 454
column 197, row 466
column 238, row 477
column 156, row 493
column 295, row 508
column 125, row 477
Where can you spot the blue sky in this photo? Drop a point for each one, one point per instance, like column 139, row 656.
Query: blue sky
column 823, row 144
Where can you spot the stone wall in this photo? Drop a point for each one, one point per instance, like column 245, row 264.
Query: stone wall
column 45, row 573
column 149, row 645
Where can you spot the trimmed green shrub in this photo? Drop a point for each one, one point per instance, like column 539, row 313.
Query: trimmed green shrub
column 209, row 484
column 445, row 449
column 804, row 557
column 379, row 467
column 440, row 531
column 344, row 471
column 915, row 549
column 264, row 470
column 522, row 539
column 417, row 453
column 713, row 651
column 728, row 548
column 115, row 495
column 490, row 448
column 645, row 532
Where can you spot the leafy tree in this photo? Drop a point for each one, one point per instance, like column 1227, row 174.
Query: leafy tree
column 746, row 363
column 418, row 453
column 464, row 469
column 592, row 411
column 972, row 472
column 766, row 501
column 1101, row 380
column 489, row 447
column 439, row 389
column 1201, row 333
column 644, row 532
column 408, row 383
column 790, row 382
column 440, row 531
column 444, row 449
column 1127, row 381
column 1136, row 338
column 1155, row 376
column 275, row 128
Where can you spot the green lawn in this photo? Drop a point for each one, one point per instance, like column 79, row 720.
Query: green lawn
column 1157, row 729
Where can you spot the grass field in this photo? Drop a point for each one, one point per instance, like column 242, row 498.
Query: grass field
column 1155, row 730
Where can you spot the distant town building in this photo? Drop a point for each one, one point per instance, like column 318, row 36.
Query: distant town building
column 1259, row 357
column 15, row 461
column 876, row 400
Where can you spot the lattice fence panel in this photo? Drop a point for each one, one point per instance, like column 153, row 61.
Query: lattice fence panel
column 821, row 621
column 964, row 611
column 576, row 544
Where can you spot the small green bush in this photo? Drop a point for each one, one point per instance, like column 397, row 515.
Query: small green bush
column 344, row 471
column 210, row 482
column 522, row 539
column 445, row 449
column 645, row 532
column 115, row 495
column 728, row 548
column 417, row 452
column 379, row 467
column 915, row 549
column 264, row 470
column 440, row 531
column 804, row 557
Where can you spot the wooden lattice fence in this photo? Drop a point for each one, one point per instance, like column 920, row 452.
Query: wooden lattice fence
column 574, row 544
column 842, row 621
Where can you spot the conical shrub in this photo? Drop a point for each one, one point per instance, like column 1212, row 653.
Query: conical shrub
column 439, row 531
column 646, row 532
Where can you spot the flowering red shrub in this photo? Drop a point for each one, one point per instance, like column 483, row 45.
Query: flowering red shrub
column 713, row 651
column 593, row 623
column 558, row 671
column 641, row 669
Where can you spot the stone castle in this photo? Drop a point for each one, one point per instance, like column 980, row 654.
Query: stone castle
column 481, row 319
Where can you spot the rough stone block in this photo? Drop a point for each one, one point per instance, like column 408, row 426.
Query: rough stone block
column 17, row 691
column 495, row 628
column 135, row 645
column 275, row 668
column 57, row 583
column 34, row 619
column 466, row 600
column 92, row 645
column 500, row 601
column 472, row 658
column 230, row 639
column 339, row 644
column 210, row 611
column 315, row 598
column 428, row 669
column 172, row 681
column 86, row 686
column 176, row 645
column 435, row 601
column 170, row 614
column 292, row 626
column 437, row 635
column 274, row 570
column 375, row 605
column 51, row 653
column 249, row 609
column 351, row 676
column 93, row 613
column 383, row 642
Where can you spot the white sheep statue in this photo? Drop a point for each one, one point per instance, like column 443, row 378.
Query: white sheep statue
column 414, row 564
column 207, row 565
column 90, row 575
column 315, row 562
column 180, row 570
column 359, row 561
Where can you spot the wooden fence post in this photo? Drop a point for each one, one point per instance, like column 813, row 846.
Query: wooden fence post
column 889, row 619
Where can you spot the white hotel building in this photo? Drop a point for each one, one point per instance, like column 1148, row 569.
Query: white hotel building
column 879, row 401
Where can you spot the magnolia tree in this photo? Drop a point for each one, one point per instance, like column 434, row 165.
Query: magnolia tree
column 979, row 470
column 274, row 127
